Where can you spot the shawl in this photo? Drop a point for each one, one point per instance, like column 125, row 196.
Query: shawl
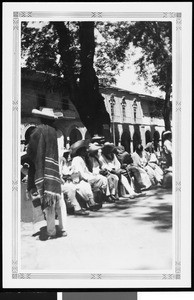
column 43, row 151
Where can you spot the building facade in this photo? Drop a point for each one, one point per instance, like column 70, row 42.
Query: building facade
column 135, row 118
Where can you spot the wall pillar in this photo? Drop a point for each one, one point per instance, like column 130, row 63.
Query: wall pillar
column 142, row 132
column 68, row 143
column 160, row 130
column 131, row 130
column 83, row 131
column 120, row 130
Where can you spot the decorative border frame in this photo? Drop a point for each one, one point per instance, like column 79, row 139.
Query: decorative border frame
column 17, row 17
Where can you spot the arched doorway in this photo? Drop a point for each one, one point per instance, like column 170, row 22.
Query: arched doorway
column 75, row 136
column 156, row 140
column 28, row 133
column 117, row 136
column 148, row 136
column 126, row 141
column 136, row 139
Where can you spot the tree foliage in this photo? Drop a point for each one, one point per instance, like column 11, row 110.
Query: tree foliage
column 155, row 41
column 57, row 48
column 69, row 54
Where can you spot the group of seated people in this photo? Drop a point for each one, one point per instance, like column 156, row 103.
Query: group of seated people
column 98, row 172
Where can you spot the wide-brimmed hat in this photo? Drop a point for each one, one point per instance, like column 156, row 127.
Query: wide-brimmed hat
column 167, row 132
column 93, row 147
column 108, row 147
column 79, row 144
column 48, row 113
column 149, row 146
column 98, row 139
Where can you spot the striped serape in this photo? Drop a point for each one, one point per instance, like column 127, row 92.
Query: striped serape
column 43, row 151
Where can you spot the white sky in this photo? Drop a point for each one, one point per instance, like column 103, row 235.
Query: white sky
column 128, row 80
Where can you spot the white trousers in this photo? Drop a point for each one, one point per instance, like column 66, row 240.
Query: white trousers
column 59, row 208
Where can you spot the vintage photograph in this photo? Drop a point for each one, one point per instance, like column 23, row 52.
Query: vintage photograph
column 96, row 144
column 96, row 159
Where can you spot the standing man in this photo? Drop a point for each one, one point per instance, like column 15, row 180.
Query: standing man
column 44, row 150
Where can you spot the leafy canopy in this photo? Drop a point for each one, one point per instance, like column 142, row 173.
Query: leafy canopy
column 112, row 52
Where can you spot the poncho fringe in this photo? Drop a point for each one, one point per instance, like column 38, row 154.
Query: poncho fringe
column 43, row 151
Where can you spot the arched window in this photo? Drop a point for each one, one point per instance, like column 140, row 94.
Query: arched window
column 136, row 139
column 156, row 140
column 28, row 133
column 75, row 136
column 126, row 141
column 148, row 136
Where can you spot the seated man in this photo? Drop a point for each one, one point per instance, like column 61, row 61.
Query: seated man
column 112, row 179
column 82, row 166
column 111, row 163
column 131, row 172
column 139, row 162
column 153, row 163
column 73, row 187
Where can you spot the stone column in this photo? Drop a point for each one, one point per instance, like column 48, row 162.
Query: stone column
column 120, row 130
column 131, row 129
column 68, row 142
column 160, row 130
column 142, row 132
column 83, row 131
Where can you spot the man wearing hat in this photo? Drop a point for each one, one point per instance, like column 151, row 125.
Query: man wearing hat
column 111, row 163
column 100, row 140
column 44, row 150
column 73, row 187
column 81, row 164
column 94, row 151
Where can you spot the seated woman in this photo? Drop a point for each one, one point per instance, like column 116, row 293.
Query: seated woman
column 153, row 163
column 110, row 163
column 140, row 163
column 81, row 165
column 112, row 179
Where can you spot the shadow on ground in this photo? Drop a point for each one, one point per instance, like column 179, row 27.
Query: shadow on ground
column 152, row 208
column 160, row 217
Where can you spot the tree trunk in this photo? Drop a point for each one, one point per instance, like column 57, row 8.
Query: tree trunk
column 67, row 59
column 91, row 102
column 86, row 98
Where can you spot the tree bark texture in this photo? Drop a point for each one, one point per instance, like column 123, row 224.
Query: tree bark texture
column 86, row 97
column 67, row 59
column 91, row 102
